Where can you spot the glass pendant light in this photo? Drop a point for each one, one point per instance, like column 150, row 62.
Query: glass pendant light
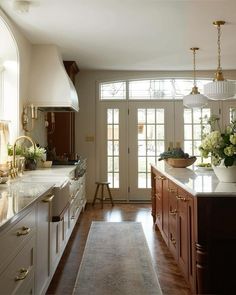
column 195, row 99
column 220, row 88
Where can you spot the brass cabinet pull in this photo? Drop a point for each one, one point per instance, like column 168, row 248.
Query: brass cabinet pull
column 178, row 197
column 24, row 231
column 22, row 274
column 72, row 217
column 173, row 241
column 158, row 197
column 171, row 190
column 160, row 177
column 173, row 212
column 48, row 199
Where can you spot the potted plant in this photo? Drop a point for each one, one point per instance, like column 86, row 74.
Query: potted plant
column 222, row 148
column 32, row 155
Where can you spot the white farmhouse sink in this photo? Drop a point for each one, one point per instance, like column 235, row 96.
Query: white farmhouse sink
column 61, row 190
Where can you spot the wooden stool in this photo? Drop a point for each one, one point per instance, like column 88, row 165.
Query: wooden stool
column 102, row 184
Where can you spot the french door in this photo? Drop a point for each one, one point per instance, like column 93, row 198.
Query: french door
column 130, row 136
column 150, row 132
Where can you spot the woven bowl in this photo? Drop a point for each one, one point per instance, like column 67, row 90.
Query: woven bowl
column 181, row 162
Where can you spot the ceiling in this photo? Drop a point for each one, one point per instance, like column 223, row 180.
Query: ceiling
column 132, row 34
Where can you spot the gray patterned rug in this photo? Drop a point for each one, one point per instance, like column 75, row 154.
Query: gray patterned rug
column 116, row 261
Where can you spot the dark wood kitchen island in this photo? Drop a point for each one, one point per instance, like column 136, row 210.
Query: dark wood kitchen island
column 196, row 215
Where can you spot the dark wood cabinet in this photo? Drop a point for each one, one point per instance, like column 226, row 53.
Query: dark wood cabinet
column 160, row 214
column 174, row 219
column 63, row 137
column 201, row 233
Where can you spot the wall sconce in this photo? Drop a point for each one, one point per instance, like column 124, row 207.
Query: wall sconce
column 25, row 117
column 53, row 122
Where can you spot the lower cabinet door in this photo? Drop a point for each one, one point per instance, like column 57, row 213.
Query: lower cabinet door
column 20, row 272
column 43, row 244
column 55, row 245
column 183, row 231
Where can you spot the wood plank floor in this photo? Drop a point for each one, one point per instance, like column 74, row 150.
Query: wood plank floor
column 170, row 278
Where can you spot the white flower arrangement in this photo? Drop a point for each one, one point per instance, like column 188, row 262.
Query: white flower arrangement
column 34, row 153
column 221, row 146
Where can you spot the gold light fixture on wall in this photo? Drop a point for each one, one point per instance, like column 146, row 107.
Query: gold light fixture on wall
column 28, row 119
column 219, row 89
column 195, row 99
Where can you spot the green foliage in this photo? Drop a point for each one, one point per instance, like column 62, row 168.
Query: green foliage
column 174, row 153
column 19, row 150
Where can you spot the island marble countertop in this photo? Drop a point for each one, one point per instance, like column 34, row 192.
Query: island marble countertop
column 198, row 182
column 20, row 193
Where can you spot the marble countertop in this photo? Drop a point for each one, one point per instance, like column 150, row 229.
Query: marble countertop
column 18, row 194
column 197, row 181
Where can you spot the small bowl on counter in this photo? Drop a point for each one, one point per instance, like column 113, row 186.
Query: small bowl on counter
column 180, row 162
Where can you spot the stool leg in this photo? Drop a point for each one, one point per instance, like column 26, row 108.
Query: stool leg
column 95, row 195
column 109, row 192
column 102, row 197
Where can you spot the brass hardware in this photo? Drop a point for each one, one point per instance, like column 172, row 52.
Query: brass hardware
column 171, row 190
column 48, row 199
column 219, row 74
column 173, row 212
column 158, row 197
column 219, row 22
column 23, row 274
column 178, row 197
column 14, row 147
column 25, row 117
column 72, row 217
column 24, row 231
column 173, row 241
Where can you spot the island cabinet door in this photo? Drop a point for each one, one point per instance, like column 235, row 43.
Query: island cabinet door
column 165, row 210
column 153, row 196
column 159, row 178
column 172, row 238
column 182, row 200
column 191, row 246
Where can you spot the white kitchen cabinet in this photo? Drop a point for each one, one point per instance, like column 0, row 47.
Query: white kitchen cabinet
column 18, row 255
column 31, row 244
column 44, row 215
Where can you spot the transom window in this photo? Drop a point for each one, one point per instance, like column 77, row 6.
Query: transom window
column 148, row 89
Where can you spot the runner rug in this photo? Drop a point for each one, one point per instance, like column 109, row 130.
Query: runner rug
column 116, row 261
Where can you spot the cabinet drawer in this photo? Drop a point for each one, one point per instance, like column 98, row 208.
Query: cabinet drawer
column 14, row 238
column 20, row 271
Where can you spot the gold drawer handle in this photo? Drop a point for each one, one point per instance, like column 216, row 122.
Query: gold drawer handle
column 178, row 197
column 23, row 274
column 24, row 231
column 173, row 241
column 171, row 190
column 48, row 199
column 158, row 197
column 173, row 212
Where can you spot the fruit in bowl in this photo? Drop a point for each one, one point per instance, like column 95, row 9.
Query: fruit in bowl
column 177, row 158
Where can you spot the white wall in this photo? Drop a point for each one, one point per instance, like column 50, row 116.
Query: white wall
column 25, row 49
column 86, row 83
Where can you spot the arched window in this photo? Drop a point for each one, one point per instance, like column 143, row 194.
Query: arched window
column 9, row 87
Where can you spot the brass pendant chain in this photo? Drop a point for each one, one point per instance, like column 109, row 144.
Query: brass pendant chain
column 219, row 49
column 194, row 67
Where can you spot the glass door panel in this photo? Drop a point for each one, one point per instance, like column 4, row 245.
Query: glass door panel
column 149, row 134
